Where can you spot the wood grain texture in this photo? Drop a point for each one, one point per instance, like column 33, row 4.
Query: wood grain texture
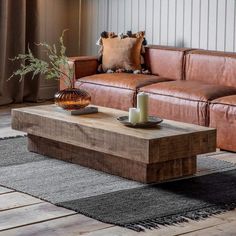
column 227, row 229
column 15, row 200
column 229, row 216
column 5, row 118
column 4, row 190
column 31, row 214
column 103, row 133
column 176, row 230
column 66, row 226
column 139, row 171
column 99, row 141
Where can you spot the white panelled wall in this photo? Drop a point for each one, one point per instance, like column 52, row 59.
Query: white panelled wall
column 207, row 24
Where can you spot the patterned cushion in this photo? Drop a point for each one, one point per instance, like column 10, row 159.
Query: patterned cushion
column 121, row 53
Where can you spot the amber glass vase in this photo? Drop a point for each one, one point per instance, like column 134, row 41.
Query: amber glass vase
column 72, row 98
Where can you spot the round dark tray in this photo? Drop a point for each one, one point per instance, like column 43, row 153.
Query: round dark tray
column 152, row 122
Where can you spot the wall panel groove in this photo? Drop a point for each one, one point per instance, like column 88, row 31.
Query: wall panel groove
column 234, row 34
column 207, row 24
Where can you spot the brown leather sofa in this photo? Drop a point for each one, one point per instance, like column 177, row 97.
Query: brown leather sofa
column 205, row 96
column 223, row 117
column 119, row 90
column 193, row 86
column 220, row 68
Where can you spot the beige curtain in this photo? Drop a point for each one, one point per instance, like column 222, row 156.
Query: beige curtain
column 17, row 24
column 24, row 22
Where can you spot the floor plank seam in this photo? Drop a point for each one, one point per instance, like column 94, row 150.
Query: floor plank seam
column 108, row 227
column 40, row 221
column 200, row 229
column 21, row 206
column 10, row 191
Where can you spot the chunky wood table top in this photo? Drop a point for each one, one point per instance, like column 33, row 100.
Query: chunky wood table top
column 102, row 132
column 101, row 142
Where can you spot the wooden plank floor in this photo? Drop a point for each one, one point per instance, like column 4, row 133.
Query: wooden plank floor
column 24, row 215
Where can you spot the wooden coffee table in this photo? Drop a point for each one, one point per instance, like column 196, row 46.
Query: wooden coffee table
column 100, row 142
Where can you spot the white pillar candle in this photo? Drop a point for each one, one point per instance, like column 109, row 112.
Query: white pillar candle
column 134, row 115
column 142, row 105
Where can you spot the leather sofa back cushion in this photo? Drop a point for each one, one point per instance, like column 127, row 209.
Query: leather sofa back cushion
column 211, row 67
column 122, row 53
column 165, row 61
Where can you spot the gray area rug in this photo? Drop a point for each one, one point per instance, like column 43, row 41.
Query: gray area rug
column 115, row 200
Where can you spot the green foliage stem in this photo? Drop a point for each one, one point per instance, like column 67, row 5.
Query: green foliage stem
column 55, row 67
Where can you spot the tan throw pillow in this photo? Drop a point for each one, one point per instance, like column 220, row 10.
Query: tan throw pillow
column 122, row 53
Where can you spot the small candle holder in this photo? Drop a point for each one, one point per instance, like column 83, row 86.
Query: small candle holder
column 138, row 117
column 152, row 121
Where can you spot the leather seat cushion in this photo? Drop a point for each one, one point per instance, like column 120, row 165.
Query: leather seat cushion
column 108, row 96
column 172, row 108
column 121, row 80
column 185, row 101
column 228, row 100
column 190, row 90
column 223, row 118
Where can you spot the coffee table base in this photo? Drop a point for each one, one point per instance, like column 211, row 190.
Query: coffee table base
column 139, row 171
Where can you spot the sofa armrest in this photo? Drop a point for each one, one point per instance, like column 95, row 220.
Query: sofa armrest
column 83, row 66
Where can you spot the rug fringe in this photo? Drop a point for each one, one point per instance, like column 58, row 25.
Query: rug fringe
column 196, row 215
